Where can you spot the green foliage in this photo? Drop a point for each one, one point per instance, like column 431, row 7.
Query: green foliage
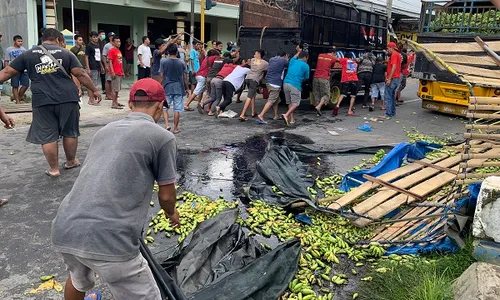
column 486, row 23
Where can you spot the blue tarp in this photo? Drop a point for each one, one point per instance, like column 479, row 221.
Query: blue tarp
column 391, row 161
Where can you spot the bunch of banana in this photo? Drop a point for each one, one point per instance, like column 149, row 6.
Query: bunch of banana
column 376, row 249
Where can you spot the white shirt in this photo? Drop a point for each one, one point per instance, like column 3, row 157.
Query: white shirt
column 146, row 55
column 237, row 77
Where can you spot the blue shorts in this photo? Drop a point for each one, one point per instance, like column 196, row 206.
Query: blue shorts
column 20, row 80
column 177, row 102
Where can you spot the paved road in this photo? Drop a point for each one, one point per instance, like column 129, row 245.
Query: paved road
column 25, row 249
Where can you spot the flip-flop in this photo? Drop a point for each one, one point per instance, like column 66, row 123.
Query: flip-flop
column 188, row 109
column 200, row 109
column 72, row 167
column 121, row 105
column 176, row 132
column 51, row 175
column 318, row 112
column 285, row 120
column 254, row 115
column 3, row 202
column 168, row 128
column 274, row 118
column 243, row 119
column 97, row 294
column 259, row 121
column 116, row 107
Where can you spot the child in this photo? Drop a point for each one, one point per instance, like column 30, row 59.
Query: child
column 378, row 82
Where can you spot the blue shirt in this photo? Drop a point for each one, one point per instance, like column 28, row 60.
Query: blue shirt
column 298, row 71
column 194, row 56
column 173, row 70
column 275, row 70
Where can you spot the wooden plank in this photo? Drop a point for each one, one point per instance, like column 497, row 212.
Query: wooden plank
column 406, row 234
column 389, row 176
column 433, row 166
column 423, row 189
column 483, row 81
column 480, row 155
column 474, row 107
column 482, row 60
column 483, row 116
column 468, row 181
column 391, row 186
column 476, row 71
column 486, row 48
column 475, row 175
column 395, row 229
column 483, row 164
column 461, row 47
column 405, row 182
column 484, row 100
column 482, row 127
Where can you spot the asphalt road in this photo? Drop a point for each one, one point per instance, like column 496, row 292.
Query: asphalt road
column 215, row 155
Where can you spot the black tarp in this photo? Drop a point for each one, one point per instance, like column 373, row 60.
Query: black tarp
column 282, row 168
column 217, row 261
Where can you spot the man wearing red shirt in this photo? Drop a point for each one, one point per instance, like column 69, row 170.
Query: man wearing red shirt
column 116, row 71
column 216, row 87
column 410, row 57
column 349, row 83
column 393, row 79
column 321, row 79
column 201, row 77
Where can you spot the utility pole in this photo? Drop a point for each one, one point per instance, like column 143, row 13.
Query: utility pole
column 202, row 20
column 192, row 26
column 389, row 13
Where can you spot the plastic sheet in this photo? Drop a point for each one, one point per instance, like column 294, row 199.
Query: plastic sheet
column 217, row 261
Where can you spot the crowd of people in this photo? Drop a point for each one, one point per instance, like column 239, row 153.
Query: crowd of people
column 98, row 225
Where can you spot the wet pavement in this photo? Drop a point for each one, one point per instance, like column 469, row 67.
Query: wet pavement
column 216, row 157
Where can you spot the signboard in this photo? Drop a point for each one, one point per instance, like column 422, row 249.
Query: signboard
column 406, row 35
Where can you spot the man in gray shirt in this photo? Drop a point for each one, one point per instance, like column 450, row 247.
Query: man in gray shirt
column 98, row 225
column 104, row 59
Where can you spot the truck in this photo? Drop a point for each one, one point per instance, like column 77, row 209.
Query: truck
column 275, row 25
column 449, row 28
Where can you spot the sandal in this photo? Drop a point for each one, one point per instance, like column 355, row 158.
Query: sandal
column 254, row 115
column 3, row 202
column 200, row 108
column 261, row 122
column 285, row 120
column 188, row 109
column 121, row 105
column 168, row 128
column 116, row 107
column 51, row 175
column 243, row 119
column 66, row 167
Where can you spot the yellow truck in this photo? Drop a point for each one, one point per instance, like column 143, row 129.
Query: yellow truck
column 447, row 29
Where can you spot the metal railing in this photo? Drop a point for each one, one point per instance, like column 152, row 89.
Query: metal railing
column 459, row 17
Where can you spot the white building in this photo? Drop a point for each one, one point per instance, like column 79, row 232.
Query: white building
column 127, row 18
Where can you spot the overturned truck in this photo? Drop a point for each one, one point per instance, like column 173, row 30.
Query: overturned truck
column 316, row 24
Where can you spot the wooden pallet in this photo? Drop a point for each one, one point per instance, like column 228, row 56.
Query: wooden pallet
column 414, row 182
column 12, row 108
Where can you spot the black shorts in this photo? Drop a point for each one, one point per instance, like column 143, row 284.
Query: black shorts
column 252, row 86
column 53, row 121
column 191, row 78
column 349, row 88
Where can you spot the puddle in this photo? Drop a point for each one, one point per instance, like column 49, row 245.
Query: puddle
column 226, row 170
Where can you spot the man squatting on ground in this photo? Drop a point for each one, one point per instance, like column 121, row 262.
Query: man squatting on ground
column 98, row 225
column 55, row 97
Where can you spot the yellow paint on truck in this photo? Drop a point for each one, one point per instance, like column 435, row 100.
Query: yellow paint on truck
column 449, row 97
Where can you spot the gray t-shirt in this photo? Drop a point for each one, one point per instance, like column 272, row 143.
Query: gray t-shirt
column 106, row 49
column 257, row 70
column 103, row 215
column 49, row 84
column 12, row 52
column 173, row 70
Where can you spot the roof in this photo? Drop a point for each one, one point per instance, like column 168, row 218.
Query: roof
column 406, row 8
